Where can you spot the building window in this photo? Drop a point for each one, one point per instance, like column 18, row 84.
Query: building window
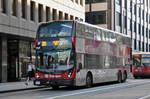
column 125, row 2
column 134, row 26
column 71, row 17
column 3, row 6
column 125, row 21
column 40, row 12
column 47, row 14
column 76, row 18
column 54, row 14
column 142, row 46
column 146, row 47
column 143, row 30
column 149, row 47
column 76, row 1
column 139, row 12
column 101, row 18
column 14, row 8
column 143, row 14
column 60, row 15
column 66, row 16
column 118, row 19
column 94, row 19
column 130, row 6
column 94, row 1
column 81, row 2
column 147, row 32
column 32, row 14
column 24, row 5
column 139, row 29
column 81, row 19
column 135, row 9
column 118, row 2
column 135, row 44
column 130, row 24
column 139, row 45
column 147, row 17
column 97, row 17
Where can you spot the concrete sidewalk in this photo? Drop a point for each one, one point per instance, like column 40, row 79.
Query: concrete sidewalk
column 16, row 86
column 130, row 76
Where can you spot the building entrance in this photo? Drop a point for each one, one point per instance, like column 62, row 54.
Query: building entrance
column 12, row 58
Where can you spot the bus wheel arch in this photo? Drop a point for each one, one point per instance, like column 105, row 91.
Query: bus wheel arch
column 124, row 76
column 55, row 87
column 89, row 80
column 119, row 76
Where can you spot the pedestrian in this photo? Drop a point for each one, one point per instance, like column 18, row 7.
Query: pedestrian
column 30, row 74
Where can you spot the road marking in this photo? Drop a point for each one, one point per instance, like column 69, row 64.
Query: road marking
column 145, row 97
column 100, row 89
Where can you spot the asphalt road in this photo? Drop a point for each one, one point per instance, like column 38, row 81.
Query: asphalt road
column 132, row 89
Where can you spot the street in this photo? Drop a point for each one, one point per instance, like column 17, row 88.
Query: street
column 132, row 89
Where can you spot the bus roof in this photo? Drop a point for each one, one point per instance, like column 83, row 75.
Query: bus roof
column 85, row 23
column 98, row 27
column 57, row 21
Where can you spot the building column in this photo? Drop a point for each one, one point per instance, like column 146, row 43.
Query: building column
column 3, row 59
column 0, row 6
column 36, row 13
column 50, row 15
column 44, row 13
column 28, row 10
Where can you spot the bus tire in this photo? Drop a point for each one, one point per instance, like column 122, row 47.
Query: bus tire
column 55, row 87
column 119, row 77
column 124, row 77
column 89, row 80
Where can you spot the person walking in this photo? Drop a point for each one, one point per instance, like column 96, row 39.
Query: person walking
column 30, row 74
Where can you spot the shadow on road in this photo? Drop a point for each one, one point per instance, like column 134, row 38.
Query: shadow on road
column 64, row 88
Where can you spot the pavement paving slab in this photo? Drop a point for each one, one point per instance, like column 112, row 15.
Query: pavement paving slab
column 16, row 86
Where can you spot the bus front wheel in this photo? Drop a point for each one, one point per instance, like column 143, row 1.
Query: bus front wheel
column 89, row 81
column 55, row 87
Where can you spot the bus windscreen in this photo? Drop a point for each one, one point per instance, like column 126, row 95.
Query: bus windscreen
column 55, row 29
column 58, row 60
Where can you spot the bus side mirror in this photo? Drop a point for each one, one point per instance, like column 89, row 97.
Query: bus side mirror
column 80, row 67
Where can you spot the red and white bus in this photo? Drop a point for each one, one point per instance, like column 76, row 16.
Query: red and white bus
column 141, row 64
column 73, row 53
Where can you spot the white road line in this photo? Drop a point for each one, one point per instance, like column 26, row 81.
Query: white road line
column 145, row 97
column 101, row 89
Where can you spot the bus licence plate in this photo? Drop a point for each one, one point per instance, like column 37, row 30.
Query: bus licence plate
column 37, row 82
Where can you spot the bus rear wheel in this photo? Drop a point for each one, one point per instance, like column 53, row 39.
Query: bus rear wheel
column 89, row 81
column 55, row 87
column 119, row 77
column 124, row 77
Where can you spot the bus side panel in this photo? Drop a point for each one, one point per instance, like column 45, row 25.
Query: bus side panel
column 80, row 50
column 104, row 75
column 81, row 77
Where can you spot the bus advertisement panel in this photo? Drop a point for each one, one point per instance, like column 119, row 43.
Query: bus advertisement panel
column 73, row 53
column 141, row 64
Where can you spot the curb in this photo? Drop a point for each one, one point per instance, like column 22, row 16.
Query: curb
column 15, row 90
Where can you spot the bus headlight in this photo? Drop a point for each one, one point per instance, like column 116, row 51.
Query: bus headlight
column 37, row 75
column 70, row 73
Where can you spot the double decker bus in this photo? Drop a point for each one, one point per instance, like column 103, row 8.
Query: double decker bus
column 141, row 64
column 73, row 53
